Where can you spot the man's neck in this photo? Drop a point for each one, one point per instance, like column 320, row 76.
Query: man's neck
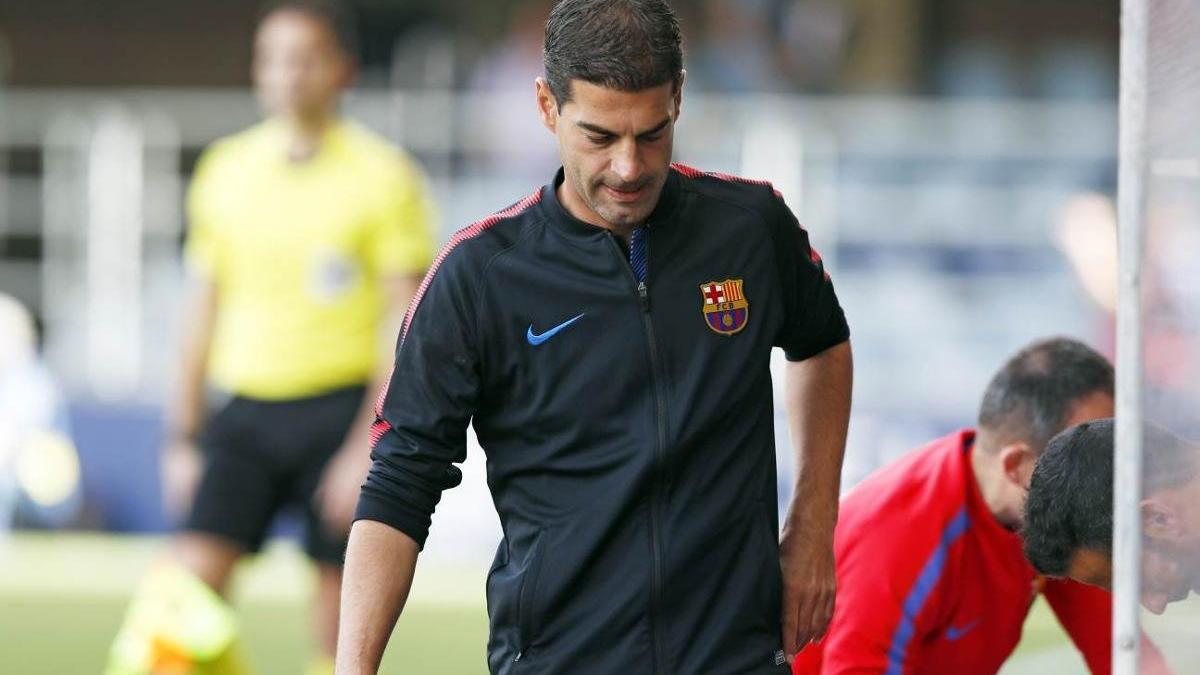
column 304, row 135
column 983, row 472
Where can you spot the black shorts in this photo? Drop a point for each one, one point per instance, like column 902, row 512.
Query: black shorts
column 263, row 456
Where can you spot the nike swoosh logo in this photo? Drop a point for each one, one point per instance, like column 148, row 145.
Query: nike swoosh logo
column 536, row 340
column 955, row 633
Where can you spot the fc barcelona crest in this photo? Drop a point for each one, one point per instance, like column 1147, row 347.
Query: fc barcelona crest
column 725, row 306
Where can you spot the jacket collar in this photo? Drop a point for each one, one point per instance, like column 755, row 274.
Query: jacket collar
column 557, row 213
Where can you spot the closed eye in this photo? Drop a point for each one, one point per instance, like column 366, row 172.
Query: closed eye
column 599, row 136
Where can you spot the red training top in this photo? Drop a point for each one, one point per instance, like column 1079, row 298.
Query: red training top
column 930, row 582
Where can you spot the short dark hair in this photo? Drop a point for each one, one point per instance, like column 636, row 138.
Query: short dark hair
column 1070, row 504
column 335, row 14
column 1032, row 396
column 628, row 45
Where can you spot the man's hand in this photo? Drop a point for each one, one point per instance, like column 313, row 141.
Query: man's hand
column 182, row 466
column 341, row 482
column 817, row 398
column 809, row 584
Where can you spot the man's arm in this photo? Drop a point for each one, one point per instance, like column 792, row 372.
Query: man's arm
column 1085, row 613
column 815, row 337
column 817, row 399
column 420, row 434
column 380, row 562
column 181, row 461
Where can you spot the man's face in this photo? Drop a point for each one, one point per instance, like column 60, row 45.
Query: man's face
column 299, row 69
column 1167, row 576
column 615, row 148
column 1170, row 571
column 1170, row 546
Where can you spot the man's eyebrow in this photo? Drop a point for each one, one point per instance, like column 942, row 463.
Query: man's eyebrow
column 601, row 131
column 588, row 126
column 657, row 127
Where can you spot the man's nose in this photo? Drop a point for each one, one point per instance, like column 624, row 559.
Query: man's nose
column 626, row 163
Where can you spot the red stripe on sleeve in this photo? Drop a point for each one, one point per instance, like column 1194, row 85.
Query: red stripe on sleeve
column 470, row 232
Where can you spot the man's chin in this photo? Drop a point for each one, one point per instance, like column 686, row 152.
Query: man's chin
column 624, row 216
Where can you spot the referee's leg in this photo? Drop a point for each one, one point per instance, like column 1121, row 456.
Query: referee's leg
column 210, row 558
column 178, row 618
column 329, row 598
column 327, row 425
column 242, row 487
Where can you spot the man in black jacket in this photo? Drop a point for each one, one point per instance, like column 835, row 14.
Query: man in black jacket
column 609, row 337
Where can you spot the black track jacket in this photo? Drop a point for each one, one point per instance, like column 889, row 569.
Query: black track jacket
column 628, row 426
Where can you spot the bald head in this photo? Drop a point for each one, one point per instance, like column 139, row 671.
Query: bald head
column 1043, row 389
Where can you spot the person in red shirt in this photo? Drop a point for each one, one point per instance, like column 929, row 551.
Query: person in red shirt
column 930, row 569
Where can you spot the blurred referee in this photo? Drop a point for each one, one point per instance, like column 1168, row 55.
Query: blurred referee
column 308, row 236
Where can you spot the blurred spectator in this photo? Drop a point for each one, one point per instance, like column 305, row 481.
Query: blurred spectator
column 1086, row 234
column 737, row 51
column 769, row 45
column 513, row 138
column 39, row 470
column 814, row 39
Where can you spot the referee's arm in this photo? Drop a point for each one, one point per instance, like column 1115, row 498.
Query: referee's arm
column 340, row 483
column 203, row 254
column 399, row 243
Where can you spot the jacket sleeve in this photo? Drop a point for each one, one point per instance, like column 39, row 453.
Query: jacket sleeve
column 420, row 431
column 1085, row 613
column 813, row 319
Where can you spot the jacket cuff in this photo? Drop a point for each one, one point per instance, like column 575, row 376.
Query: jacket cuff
column 372, row 507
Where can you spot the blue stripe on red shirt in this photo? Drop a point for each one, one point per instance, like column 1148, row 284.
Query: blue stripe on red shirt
column 922, row 588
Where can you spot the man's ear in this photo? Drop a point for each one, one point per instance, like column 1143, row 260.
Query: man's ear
column 349, row 71
column 679, row 93
column 1018, row 461
column 547, row 104
column 1159, row 520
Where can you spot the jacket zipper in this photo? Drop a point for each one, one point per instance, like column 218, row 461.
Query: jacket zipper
column 525, row 600
column 660, row 415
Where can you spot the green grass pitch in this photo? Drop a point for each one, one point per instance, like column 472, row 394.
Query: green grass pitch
column 62, row 597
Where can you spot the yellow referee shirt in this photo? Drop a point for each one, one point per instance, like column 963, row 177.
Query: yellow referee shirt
column 298, row 252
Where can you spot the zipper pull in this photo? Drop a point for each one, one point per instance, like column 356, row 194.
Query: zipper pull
column 519, row 655
column 644, row 294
